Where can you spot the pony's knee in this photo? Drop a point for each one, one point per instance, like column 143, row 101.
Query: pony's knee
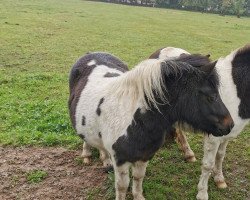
column 121, row 187
column 208, row 165
column 122, row 178
column 122, row 184
column 138, row 175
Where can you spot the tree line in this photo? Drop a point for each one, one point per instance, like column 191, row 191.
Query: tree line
column 223, row 7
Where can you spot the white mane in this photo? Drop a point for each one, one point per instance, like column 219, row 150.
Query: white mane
column 144, row 82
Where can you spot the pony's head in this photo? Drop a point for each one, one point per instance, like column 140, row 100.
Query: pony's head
column 192, row 91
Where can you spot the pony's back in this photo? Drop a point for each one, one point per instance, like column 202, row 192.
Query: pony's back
column 84, row 66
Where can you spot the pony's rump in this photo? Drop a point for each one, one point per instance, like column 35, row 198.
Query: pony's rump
column 82, row 69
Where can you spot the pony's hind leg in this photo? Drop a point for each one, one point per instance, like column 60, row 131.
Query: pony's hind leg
column 138, row 172
column 121, row 180
column 105, row 158
column 86, row 153
column 218, row 173
column 182, row 141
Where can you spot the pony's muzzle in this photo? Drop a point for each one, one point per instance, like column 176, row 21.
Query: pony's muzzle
column 226, row 124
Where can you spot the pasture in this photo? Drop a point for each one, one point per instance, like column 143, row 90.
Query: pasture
column 41, row 40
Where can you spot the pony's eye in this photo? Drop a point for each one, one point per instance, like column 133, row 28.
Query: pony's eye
column 210, row 99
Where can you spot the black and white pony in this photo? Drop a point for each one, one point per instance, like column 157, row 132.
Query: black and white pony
column 234, row 88
column 126, row 115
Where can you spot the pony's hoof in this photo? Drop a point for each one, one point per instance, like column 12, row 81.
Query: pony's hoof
column 191, row 159
column 107, row 163
column 139, row 197
column 86, row 161
column 221, row 184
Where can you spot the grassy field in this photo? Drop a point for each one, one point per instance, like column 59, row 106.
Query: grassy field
column 40, row 41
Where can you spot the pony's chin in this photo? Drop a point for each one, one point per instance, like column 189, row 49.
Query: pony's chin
column 220, row 132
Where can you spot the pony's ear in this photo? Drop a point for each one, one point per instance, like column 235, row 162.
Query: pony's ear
column 208, row 68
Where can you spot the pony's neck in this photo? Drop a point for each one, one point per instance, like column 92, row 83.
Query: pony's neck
column 227, row 85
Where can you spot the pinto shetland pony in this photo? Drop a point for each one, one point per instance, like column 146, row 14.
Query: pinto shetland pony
column 234, row 88
column 126, row 114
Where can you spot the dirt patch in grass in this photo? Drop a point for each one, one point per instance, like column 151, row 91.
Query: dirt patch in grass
column 66, row 177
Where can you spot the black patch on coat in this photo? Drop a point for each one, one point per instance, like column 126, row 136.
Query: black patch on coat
column 196, row 60
column 83, row 120
column 109, row 74
column 100, row 135
column 145, row 135
column 241, row 77
column 80, row 72
column 98, row 110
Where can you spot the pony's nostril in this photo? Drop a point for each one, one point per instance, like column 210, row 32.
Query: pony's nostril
column 232, row 125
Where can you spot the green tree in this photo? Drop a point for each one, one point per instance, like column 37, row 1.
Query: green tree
column 239, row 7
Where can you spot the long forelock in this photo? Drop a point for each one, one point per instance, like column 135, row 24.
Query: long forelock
column 195, row 60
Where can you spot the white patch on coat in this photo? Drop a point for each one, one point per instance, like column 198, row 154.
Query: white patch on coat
column 170, row 52
column 228, row 92
column 94, row 90
column 92, row 62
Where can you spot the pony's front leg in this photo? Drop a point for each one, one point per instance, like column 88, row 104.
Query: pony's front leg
column 218, row 174
column 86, row 153
column 104, row 156
column 138, row 172
column 182, row 140
column 121, row 180
column 211, row 146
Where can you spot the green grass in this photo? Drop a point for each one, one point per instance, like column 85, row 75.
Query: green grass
column 36, row 176
column 41, row 40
